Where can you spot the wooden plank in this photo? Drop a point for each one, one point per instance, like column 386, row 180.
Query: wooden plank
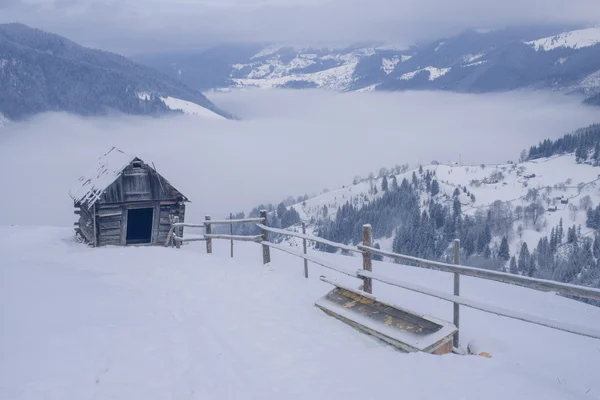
column 533, row 319
column 456, row 293
column 290, row 250
column 104, row 225
column 367, row 257
column 110, row 232
column 223, row 222
column 310, row 237
column 533, row 283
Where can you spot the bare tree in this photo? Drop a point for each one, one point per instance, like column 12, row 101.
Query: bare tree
column 586, row 203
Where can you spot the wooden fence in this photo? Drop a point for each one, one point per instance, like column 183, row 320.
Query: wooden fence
column 367, row 275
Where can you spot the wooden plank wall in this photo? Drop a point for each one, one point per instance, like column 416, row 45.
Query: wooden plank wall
column 109, row 224
column 86, row 224
column 166, row 209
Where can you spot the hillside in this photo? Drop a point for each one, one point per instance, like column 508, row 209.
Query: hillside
column 473, row 61
column 541, row 208
column 42, row 72
column 160, row 323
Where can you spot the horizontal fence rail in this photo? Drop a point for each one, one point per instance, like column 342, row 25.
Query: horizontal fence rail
column 578, row 330
column 310, row 237
column 289, row 250
column 218, row 222
column 366, row 274
column 533, row 283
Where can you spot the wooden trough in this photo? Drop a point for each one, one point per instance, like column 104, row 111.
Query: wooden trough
column 401, row 328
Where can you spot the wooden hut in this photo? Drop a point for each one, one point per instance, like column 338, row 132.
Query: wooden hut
column 123, row 201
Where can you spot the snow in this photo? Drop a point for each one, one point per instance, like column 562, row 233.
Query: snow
column 187, row 107
column 591, row 81
column 267, row 51
column 388, row 65
column 470, row 58
column 556, row 176
column 439, row 46
column 474, row 64
column 105, row 171
column 3, row 120
column 434, row 73
column 337, row 78
column 190, row 108
column 574, row 39
column 272, row 72
column 156, row 323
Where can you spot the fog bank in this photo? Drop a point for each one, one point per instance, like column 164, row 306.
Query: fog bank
column 288, row 143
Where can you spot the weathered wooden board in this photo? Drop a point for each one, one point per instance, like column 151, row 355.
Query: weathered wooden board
column 401, row 328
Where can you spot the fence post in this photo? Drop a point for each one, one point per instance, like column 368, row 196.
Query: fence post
column 177, row 242
column 367, row 258
column 456, row 291
column 208, row 232
column 266, row 251
column 231, row 232
column 304, row 245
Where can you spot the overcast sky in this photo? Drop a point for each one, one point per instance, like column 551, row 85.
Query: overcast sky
column 134, row 26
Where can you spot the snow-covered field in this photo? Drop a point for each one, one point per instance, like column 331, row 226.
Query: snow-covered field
column 161, row 323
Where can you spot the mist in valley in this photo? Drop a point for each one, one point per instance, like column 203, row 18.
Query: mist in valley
column 286, row 143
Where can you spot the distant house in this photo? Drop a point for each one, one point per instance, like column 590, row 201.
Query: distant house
column 564, row 201
column 434, row 162
column 123, row 201
column 529, row 176
column 552, row 208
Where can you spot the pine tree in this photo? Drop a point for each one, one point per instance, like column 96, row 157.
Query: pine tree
column 415, row 181
column 384, row 184
column 487, row 252
column 524, row 257
column 281, row 209
column 504, row 251
column 561, row 233
column 456, row 207
column 596, row 247
column 377, row 257
column 456, row 192
column 395, row 183
column 420, row 169
column 530, row 266
column 435, row 187
column 513, row 265
column 325, row 211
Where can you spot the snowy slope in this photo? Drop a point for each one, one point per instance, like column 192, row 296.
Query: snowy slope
column 434, row 73
column 187, row 107
column 555, row 177
column 574, row 40
column 157, row 323
column 275, row 67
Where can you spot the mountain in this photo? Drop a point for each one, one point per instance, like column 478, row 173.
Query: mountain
column 475, row 61
column 40, row 72
column 541, row 213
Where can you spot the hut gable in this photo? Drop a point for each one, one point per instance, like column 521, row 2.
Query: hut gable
column 118, row 177
column 122, row 200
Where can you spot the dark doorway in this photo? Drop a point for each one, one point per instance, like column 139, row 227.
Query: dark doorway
column 139, row 225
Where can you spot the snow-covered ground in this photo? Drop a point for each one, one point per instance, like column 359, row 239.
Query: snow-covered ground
column 555, row 177
column 573, row 39
column 433, row 72
column 160, row 323
column 187, row 107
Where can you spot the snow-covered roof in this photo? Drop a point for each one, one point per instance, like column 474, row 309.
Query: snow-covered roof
column 107, row 169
